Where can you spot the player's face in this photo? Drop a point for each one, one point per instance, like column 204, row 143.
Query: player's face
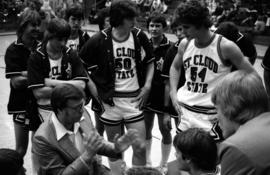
column 128, row 23
column 32, row 30
column 106, row 23
column 182, row 165
column 225, row 124
column 179, row 32
column 75, row 23
column 58, row 43
column 156, row 29
column 73, row 111
column 189, row 30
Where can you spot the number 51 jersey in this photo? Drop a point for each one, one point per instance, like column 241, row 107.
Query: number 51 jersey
column 204, row 69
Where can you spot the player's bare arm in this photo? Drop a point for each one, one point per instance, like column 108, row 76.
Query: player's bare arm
column 175, row 73
column 19, row 82
column 167, row 117
column 266, row 77
column 231, row 52
column 43, row 92
column 53, row 82
column 147, row 85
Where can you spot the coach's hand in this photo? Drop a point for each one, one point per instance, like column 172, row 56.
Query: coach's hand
column 123, row 142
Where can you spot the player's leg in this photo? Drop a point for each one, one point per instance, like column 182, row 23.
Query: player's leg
column 115, row 164
column 21, row 133
column 166, row 142
column 139, row 155
column 112, row 119
column 149, row 123
column 99, row 125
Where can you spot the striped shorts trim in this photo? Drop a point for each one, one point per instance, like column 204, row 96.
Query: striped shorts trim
column 21, row 119
column 124, row 110
column 115, row 123
column 127, row 94
column 200, row 109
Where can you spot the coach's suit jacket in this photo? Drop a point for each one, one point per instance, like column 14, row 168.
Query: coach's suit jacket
column 247, row 151
column 62, row 157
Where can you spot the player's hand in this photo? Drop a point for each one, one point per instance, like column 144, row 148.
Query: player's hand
column 98, row 107
column 142, row 97
column 175, row 104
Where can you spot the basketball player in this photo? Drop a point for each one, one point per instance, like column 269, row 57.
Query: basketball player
column 156, row 25
column 206, row 58
column 16, row 58
column 74, row 17
column 53, row 63
column 122, row 75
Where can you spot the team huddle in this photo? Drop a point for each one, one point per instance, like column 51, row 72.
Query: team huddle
column 220, row 114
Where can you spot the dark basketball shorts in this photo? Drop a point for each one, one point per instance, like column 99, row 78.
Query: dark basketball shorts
column 21, row 119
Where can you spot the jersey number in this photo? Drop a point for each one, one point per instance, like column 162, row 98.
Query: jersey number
column 194, row 73
column 122, row 63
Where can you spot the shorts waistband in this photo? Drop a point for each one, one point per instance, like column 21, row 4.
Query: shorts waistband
column 46, row 107
column 127, row 94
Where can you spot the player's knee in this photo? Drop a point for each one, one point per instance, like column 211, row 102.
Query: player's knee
column 21, row 150
column 165, row 131
column 167, row 140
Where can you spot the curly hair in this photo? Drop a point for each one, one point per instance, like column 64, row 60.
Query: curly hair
column 193, row 12
column 120, row 10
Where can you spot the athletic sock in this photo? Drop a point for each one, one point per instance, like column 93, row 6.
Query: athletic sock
column 165, row 153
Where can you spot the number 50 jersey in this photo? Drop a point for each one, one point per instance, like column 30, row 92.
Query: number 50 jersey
column 204, row 68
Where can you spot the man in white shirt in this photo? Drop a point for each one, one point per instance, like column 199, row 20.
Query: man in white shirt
column 67, row 143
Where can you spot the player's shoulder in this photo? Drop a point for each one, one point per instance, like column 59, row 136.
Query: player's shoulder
column 226, row 43
column 15, row 47
column 182, row 46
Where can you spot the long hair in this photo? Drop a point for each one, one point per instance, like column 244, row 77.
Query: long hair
column 26, row 17
column 57, row 28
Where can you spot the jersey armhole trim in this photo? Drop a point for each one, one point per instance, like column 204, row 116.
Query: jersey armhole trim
column 220, row 53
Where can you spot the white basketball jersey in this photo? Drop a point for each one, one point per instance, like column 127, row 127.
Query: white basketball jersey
column 126, row 79
column 55, row 68
column 73, row 43
column 204, row 69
